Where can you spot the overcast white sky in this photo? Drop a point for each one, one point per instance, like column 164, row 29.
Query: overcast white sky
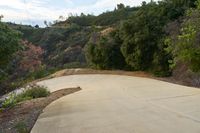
column 36, row 11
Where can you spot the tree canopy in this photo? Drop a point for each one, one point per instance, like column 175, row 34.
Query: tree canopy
column 185, row 46
column 141, row 37
column 9, row 44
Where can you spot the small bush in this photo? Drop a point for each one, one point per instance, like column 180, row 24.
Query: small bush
column 9, row 102
column 32, row 92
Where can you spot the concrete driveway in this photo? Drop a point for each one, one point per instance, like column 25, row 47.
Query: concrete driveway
column 120, row 104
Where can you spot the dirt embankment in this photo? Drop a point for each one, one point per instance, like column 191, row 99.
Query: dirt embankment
column 22, row 117
column 67, row 72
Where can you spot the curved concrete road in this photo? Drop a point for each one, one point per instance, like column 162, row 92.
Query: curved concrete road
column 120, row 104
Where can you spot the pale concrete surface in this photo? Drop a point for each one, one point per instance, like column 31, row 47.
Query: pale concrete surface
column 120, row 104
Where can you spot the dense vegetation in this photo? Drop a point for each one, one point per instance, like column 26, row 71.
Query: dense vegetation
column 185, row 46
column 105, row 19
column 104, row 53
column 31, row 92
column 158, row 37
column 9, row 40
column 142, row 37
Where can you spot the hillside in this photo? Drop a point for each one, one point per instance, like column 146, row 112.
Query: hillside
column 64, row 41
column 62, row 45
column 109, row 18
column 152, row 37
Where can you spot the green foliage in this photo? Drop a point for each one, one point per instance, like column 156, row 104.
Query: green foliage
column 104, row 19
column 21, row 127
column 105, row 54
column 142, row 36
column 41, row 73
column 32, row 92
column 74, row 65
column 114, row 17
column 120, row 6
column 183, row 3
column 62, row 45
column 140, row 39
column 160, row 63
column 138, row 42
column 9, row 44
column 10, row 101
column 186, row 47
column 172, row 9
column 82, row 20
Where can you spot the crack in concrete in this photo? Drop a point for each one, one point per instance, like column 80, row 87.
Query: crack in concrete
column 174, row 111
column 166, row 98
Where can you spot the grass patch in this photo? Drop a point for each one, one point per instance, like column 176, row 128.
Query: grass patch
column 21, row 128
column 35, row 91
column 31, row 92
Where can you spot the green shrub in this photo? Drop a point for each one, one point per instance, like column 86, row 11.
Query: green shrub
column 35, row 91
column 10, row 101
column 74, row 65
column 32, row 92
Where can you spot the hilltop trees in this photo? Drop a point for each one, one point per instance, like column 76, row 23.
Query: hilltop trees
column 46, row 23
column 183, row 3
column 1, row 16
column 120, row 6
column 104, row 19
column 141, row 38
column 82, row 20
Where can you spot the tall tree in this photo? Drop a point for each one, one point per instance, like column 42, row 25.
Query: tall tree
column 105, row 54
column 120, row 6
column 9, row 44
column 141, row 35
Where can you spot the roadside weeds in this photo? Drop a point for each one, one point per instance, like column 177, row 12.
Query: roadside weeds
column 22, row 117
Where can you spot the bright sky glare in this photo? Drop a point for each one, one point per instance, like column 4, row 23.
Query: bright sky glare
column 36, row 11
